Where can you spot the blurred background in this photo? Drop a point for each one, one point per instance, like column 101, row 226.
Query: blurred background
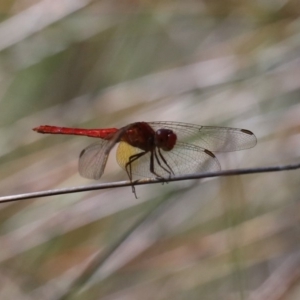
column 94, row 64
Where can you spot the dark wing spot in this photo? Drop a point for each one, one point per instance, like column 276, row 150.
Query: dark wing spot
column 81, row 153
column 247, row 131
column 209, row 153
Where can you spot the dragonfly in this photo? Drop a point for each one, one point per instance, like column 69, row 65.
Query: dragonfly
column 157, row 149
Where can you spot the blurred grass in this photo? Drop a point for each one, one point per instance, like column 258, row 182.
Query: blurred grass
column 110, row 63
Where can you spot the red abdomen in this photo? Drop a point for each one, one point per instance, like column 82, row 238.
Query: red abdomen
column 97, row 133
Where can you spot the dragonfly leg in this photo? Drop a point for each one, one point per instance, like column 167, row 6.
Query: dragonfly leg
column 170, row 171
column 133, row 191
column 159, row 163
column 154, row 154
column 129, row 172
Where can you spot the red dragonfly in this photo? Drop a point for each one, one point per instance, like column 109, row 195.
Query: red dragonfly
column 157, row 149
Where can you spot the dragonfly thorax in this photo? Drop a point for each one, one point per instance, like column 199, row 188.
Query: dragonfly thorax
column 165, row 139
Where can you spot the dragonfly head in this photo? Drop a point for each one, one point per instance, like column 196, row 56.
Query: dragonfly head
column 165, row 139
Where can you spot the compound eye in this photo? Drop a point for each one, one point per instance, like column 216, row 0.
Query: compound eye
column 165, row 139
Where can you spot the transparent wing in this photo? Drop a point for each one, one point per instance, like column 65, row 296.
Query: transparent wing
column 183, row 159
column 92, row 160
column 219, row 139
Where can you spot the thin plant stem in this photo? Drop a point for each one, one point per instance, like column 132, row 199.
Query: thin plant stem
column 118, row 184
